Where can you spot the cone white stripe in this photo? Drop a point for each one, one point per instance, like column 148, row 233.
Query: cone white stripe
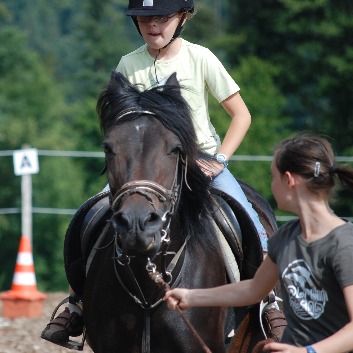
column 25, row 258
column 24, row 278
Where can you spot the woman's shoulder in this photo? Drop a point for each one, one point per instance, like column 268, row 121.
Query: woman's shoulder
column 289, row 226
column 285, row 231
column 343, row 232
column 134, row 61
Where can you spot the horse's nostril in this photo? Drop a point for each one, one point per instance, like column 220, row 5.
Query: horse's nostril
column 125, row 222
column 120, row 221
column 152, row 218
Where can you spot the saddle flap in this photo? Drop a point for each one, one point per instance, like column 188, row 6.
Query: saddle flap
column 76, row 249
column 227, row 223
column 252, row 254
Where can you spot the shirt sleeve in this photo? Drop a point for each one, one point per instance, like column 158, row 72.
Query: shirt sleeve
column 342, row 262
column 219, row 82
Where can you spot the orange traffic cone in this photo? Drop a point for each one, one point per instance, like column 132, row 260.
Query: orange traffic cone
column 23, row 300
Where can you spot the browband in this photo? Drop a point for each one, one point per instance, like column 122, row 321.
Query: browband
column 128, row 112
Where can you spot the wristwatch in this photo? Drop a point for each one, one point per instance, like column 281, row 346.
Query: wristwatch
column 221, row 158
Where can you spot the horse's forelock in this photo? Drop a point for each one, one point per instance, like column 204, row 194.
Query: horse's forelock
column 166, row 102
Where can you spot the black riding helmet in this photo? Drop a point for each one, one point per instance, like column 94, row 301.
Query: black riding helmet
column 160, row 8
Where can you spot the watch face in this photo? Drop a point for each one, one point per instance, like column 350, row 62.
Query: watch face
column 220, row 158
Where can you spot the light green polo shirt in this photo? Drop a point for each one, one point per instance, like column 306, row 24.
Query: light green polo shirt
column 198, row 71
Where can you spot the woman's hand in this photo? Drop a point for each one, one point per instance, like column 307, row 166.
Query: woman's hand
column 177, row 297
column 274, row 347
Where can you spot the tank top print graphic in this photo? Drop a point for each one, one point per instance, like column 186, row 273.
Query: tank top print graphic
column 306, row 298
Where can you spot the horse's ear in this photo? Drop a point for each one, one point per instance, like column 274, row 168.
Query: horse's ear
column 119, row 79
column 173, row 81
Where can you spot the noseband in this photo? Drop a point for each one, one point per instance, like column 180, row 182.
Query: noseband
column 147, row 188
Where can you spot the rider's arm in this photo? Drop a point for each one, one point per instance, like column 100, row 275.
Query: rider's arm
column 240, row 123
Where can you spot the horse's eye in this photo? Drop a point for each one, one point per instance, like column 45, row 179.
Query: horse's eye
column 106, row 149
column 176, row 150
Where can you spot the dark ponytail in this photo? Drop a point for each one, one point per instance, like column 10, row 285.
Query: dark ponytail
column 311, row 156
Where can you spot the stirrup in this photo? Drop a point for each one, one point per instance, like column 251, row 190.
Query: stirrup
column 74, row 345
column 70, row 344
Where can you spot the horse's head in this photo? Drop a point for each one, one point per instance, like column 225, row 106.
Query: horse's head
column 148, row 140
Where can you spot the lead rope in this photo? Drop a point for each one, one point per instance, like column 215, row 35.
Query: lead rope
column 158, row 279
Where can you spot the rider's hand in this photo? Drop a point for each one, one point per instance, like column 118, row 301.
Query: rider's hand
column 210, row 168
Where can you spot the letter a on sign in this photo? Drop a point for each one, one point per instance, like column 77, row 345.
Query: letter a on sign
column 26, row 161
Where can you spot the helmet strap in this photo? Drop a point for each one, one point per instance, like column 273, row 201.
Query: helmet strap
column 136, row 24
column 154, row 66
column 178, row 30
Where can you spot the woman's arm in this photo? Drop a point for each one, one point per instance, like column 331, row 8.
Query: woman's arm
column 342, row 340
column 239, row 294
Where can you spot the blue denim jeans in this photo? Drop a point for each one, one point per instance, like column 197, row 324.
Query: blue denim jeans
column 226, row 182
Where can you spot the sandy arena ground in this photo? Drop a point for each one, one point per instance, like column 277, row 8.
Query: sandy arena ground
column 22, row 335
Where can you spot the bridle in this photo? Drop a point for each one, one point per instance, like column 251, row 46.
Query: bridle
column 147, row 188
column 121, row 259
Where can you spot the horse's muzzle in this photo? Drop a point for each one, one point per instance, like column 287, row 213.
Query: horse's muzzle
column 139, row 233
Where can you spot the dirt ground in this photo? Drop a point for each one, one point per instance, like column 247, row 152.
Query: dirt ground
column 22, row 335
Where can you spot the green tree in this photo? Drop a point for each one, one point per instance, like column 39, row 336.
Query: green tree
column 310, row 45
column 310, row 42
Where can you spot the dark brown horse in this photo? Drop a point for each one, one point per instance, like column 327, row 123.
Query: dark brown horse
column 160, row 220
